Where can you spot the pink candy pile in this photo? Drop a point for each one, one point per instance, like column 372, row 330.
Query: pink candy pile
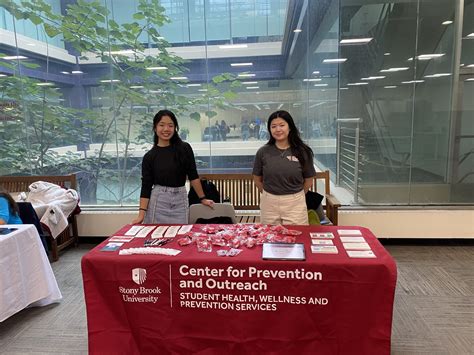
column 237, row 235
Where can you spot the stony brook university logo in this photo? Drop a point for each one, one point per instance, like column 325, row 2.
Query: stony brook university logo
column 139, row 275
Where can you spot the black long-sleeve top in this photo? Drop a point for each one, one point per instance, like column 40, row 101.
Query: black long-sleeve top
column 167, row 166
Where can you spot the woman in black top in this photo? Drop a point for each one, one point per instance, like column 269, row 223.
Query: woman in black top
column 163, row 197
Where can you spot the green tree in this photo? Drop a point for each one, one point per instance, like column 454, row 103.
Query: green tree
column 89, row 29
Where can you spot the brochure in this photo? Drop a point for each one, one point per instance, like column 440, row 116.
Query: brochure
column 111, row 247
column 322, row 242
column 172, row 231
column 327, row 235
column 324, row 249
column 144, row 231
column 360, row 253
column 118, row 238
column 283, row 251
column 352, row 239
column 185, row 229
column 159, row 231
column 133, row 230
column 354, row 232
column 356, row 246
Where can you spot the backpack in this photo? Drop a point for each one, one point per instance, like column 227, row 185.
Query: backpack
column 210, row 190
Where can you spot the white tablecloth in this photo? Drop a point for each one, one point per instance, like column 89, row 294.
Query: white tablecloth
column 26, row 277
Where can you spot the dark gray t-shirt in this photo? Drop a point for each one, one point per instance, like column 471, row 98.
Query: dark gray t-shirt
column 281, row 170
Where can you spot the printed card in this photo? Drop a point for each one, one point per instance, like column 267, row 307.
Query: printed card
column 327, row 235
column 356, row 246
column 172, row 231
column 322, row 242
column 324, row 249
column 118, row 238
column 159, row 231
column 111, row 247
column 352, row 239
column 353, row 232
column 144, row 231
column 133, row 230
column 185, row 229
column 360, row 253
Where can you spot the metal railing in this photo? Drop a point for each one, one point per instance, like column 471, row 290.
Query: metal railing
column 348, row 145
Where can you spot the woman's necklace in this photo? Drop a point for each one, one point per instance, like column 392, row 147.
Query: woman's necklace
column 282, row 154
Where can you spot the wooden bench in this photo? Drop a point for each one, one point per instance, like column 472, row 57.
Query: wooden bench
column 21, row 183
column 242, row 192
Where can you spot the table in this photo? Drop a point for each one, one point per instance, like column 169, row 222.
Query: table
column 26, row 277
column 198, row 302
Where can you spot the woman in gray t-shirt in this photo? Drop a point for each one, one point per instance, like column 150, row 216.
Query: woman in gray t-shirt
column 283, row 172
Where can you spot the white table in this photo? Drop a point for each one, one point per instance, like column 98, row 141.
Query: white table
column 26, row 277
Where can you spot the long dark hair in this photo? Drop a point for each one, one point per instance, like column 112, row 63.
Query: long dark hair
column 11, row 202
column 177, row 144
column 298, row 147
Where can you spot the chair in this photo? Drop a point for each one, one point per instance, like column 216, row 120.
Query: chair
column 198, row 211
column 28, row 216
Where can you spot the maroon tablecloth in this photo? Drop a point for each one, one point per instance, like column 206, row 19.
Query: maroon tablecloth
column 328, row 304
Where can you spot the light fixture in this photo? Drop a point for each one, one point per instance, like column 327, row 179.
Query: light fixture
column 391, row 70
column 356, row 40
column 2, row 75
column 320, row 84
column 428, row 56
column 470, row 35
column 470, row 66
column 249, row 82
column 156, row 68
column 241, row 64
column 192, row 85
column 316, row 72
column 317, row 104
column 14, row 57
column 203, row 90
column 252, row 87
column 335, row 60
column 179, row 78
column 136, row 87
column 438, row 75
column 44, row 84
column 470, row 79
column 313, row 79
column 357, row 84
column 297, row 30
column 373, row 78
column 390, row 87
column 246, row 75
column 110, row 81
column 65, row 72
column 343, row 88
column 387, row 53
column 233, row 46
column 413, row 81
column 447, row 22
column 77, row 72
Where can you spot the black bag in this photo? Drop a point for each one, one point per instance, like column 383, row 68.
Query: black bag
column 313, row 200
column 210, row 190
column 214, row 220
